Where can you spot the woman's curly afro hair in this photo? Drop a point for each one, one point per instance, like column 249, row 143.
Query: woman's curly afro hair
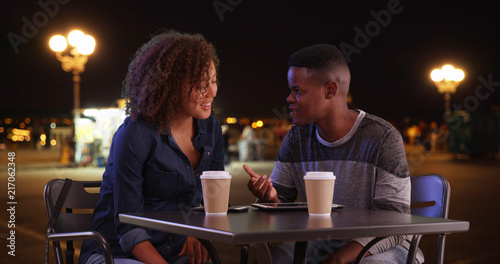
column 158, row 72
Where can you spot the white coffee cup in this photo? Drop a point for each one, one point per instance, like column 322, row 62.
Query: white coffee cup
column 319, row 192
column 216, row 186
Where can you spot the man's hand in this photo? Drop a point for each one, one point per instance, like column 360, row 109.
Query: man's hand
column 261, row 186
column 195, row 250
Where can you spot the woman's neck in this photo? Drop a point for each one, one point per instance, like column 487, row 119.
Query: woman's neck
column 183, row 131
column 182, row 126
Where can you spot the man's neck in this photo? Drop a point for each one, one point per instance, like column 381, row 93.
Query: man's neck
column 337, row 126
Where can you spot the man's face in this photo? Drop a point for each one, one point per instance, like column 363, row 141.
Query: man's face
column 307, row 99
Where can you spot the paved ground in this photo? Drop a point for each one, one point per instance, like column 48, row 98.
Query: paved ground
column 474, row 198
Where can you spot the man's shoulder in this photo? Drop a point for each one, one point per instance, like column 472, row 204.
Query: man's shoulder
column 376, row 120
column 377, row 124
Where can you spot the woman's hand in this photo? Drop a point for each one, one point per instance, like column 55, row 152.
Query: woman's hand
column 195, row 250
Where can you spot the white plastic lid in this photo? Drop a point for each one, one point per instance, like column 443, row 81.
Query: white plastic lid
column 319, row 175
column 215, row 175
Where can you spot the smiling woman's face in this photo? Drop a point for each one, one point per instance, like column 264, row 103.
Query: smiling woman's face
column 198, row 104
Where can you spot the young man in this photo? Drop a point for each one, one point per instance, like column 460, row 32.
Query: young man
column 365, row 153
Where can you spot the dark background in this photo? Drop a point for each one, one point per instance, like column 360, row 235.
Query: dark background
column 390, row 73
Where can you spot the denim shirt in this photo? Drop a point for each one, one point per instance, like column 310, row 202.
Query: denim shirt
column 148, row 172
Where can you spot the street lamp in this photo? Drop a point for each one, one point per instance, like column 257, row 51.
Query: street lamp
column 447, row 80
column 73, row 60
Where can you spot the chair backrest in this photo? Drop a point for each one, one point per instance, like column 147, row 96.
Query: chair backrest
column 430, row 195
column 79, row 204
column 77, row 209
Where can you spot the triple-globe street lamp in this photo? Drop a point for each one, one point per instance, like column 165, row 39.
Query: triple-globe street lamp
column 73, row 60
column 447, row 80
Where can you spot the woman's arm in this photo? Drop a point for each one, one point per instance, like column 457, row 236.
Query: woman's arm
column 130, row 148
column 145, row 252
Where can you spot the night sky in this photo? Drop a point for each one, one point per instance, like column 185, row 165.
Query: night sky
column 393, row 47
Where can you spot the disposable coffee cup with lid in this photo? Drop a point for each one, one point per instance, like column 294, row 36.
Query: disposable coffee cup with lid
column 319, row 192
column 319, row 175
column 215, row 186
column 215, row 175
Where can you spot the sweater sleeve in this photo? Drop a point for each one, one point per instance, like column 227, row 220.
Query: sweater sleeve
column 283, row 171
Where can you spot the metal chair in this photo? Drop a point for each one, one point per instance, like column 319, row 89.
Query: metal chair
column 430, row 196
column 72, row 222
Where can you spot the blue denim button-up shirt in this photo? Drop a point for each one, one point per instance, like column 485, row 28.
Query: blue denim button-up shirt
column 148, row 172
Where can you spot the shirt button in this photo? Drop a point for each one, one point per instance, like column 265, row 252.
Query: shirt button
column 208, row 153
column 168, row 247
column 197, row 175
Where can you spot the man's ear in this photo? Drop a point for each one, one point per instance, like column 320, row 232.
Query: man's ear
column 331, row 89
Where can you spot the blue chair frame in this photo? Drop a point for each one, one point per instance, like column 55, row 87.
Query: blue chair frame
column 430, row 196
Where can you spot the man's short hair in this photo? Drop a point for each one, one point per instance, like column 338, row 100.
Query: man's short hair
column 319, row 57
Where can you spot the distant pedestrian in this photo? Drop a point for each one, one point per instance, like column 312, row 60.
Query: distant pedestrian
column 225, row 138
column 35, row 133
column 246, row 143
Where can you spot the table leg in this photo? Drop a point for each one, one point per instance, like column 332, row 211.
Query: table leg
column 299, row 255
column 244, row 255
column 263, row 253
column 210, row 250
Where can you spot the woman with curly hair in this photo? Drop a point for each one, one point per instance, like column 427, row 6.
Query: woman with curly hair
column 160, row 150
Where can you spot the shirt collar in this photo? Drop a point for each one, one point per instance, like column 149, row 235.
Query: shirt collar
column 201, row 127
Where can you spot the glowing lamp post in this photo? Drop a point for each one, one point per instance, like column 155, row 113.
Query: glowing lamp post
column 73, row 60
column 81, row 46
column 447, row 80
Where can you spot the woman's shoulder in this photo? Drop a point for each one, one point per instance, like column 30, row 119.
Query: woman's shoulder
column 135, row 127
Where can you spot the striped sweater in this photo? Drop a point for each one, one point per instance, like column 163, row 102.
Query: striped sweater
column 369, row 164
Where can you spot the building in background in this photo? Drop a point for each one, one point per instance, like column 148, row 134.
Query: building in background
column 94, row 132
